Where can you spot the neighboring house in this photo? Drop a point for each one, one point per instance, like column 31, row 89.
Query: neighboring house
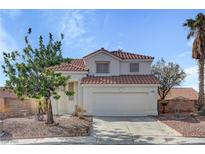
column 12, row 106
column 181, row 98
column 107, row 83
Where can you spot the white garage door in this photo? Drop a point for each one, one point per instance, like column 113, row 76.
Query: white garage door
column 121, row 104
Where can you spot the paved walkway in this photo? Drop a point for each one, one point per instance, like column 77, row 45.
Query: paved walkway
column 109, row 130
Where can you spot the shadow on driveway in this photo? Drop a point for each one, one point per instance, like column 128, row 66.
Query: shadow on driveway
column 130, row 130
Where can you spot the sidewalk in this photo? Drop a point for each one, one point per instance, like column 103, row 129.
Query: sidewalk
column 137, row 140
column 56, row 140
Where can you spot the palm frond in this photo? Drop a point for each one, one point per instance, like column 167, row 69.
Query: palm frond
column 190, row 24
column 190, row 35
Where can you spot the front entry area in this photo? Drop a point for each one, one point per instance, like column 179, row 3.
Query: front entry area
column 66, row 104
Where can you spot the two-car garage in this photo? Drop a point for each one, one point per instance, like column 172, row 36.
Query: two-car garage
column 120, row 100
column 119, row 103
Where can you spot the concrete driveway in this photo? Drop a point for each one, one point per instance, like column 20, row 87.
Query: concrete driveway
column 131, row 130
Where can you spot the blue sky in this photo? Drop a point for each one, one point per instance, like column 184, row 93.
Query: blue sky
column 158, row 33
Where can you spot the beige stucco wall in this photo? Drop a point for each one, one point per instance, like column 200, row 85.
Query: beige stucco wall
column 145, row 97
column 117, row 66
column 64, row 105
column 144, row 67
column 86, row 95
column 114, row 64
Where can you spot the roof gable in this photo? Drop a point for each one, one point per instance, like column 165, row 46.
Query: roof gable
column 120, row 55
column 102, row 50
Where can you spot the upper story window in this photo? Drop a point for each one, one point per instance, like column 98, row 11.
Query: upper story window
column 102, row 67
column 134, row 67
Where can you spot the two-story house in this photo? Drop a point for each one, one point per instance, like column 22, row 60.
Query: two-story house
column 108, row 83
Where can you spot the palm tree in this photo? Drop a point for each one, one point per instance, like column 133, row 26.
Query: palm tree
column 197, row 32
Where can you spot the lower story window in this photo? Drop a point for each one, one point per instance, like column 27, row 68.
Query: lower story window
column 71, row 88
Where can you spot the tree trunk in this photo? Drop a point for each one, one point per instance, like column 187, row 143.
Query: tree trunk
column 49, row 112
column 163, row 103
column 201, row 83
column 163, row 109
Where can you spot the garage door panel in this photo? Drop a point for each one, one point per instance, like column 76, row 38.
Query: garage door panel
column 120, row 103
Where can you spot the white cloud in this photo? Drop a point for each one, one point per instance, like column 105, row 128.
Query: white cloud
column 74, row 25
column 192, row 77
column 184, row 54
column 7, row 42
column 191, row 70
column 106, row 22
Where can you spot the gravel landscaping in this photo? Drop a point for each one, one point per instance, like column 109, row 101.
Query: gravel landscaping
column 188, row 125
column 28, row 127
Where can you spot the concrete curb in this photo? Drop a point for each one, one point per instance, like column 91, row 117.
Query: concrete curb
column 56, row 140
column 90, row 140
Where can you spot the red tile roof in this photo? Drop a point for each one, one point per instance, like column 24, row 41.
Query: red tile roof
column 126, row 55
column 5, row 93
column 78, row 62
column 79, row 65
column 188, row 93
column 74, row 65
column 122, row 79
column 122, row 55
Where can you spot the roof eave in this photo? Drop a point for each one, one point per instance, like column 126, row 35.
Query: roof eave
column 146, row 85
